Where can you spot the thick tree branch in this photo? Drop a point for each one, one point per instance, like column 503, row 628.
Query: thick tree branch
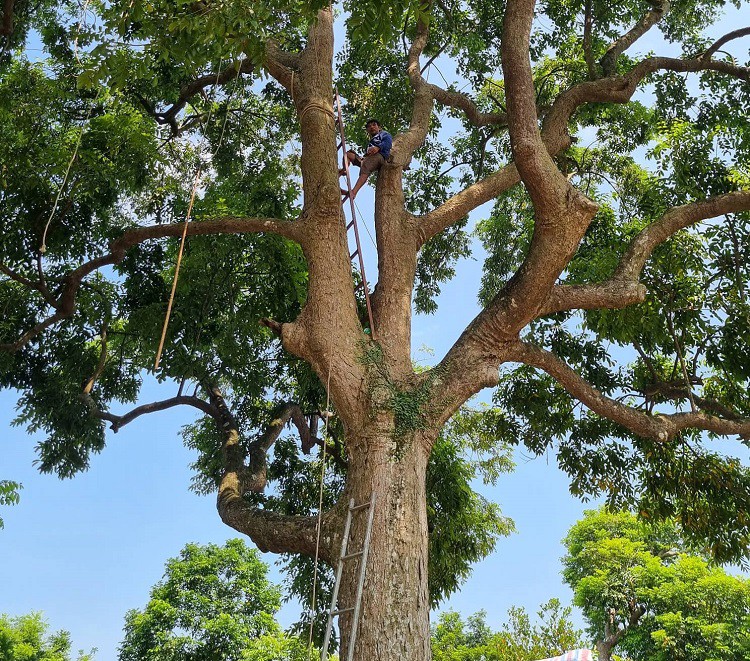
column 6, row 27
column 547, row 187
column 406, row 144
column 620, row 89
column 270, row 531
column 456, row 207
column 609, row 61
column 674, row 220
column 623, row 288
column 611, row 295
column 66, row 301
column 462, row 102
column 282, row 65
column 660, row 427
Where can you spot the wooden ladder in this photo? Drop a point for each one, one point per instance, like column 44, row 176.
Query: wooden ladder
column 343, row 557
column 352, row 224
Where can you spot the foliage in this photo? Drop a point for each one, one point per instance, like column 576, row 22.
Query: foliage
column 26, row 638
column 639, row 579
column 213, row 602
column 9, row 494
column 518, row 639
column 105, row 129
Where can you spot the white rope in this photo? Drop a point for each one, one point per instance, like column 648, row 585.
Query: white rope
column 327, row 415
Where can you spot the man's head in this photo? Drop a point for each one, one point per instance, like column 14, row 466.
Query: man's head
column 372, row 126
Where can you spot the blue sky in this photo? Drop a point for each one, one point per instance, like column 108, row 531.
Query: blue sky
column 86, row 550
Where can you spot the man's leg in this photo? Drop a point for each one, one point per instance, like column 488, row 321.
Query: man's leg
column 360, row 182
column 351, row 158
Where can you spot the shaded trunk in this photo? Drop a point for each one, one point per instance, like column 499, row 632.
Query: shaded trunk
column 394, row 620
column 604, row 650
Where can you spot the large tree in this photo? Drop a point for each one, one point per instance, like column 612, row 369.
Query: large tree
column 588, row 247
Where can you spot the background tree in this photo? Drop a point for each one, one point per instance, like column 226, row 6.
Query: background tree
column 213, row 603
column 518, row 639
column 645, row 595
column 588, row 248
column 26, row 638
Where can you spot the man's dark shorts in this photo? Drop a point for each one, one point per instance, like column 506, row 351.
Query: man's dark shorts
column 371, row 162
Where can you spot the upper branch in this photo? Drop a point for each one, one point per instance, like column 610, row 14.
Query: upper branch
column 279, row 63
column 456, row 207
column 405, row 145
column 660, row 427
column 555, row 137
column 736, row 34
column 617, row 48
column 623, row 288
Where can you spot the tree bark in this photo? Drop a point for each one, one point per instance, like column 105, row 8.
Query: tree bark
column 394, row 619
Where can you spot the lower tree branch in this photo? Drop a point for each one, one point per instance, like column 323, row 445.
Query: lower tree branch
column 119, row 421
column 269, row 531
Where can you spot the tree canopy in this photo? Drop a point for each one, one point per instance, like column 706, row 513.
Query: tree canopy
column 644, row 594
column 603, row 147
column 26, row 638
column 213, row 602
column 518, row 640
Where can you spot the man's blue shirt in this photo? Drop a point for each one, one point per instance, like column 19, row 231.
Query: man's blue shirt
column 383, row 141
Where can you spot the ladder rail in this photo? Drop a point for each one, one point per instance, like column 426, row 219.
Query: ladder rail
column 337, row 584
column 361, row 582
column 353, row 222
column 343, row 556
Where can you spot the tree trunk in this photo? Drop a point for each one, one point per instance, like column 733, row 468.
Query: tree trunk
column 604, row 650
column 394, row 619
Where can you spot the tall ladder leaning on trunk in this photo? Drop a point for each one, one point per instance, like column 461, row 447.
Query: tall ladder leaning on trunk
column 343, row 557
column 352, row 224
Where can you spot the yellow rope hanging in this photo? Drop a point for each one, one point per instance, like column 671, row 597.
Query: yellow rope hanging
column 177, row 270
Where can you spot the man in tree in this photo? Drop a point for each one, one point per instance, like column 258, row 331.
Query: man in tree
column 98, row 145
column 376, row 154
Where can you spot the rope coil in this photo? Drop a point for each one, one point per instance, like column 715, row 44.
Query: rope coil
column 317, row 106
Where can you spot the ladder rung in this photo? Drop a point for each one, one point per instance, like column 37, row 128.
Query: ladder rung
column 352, row 555
column 350, row 225
column 340, row 143
column 359, row 285
column 359, row 507
column 354, row 254
column 341, row 610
